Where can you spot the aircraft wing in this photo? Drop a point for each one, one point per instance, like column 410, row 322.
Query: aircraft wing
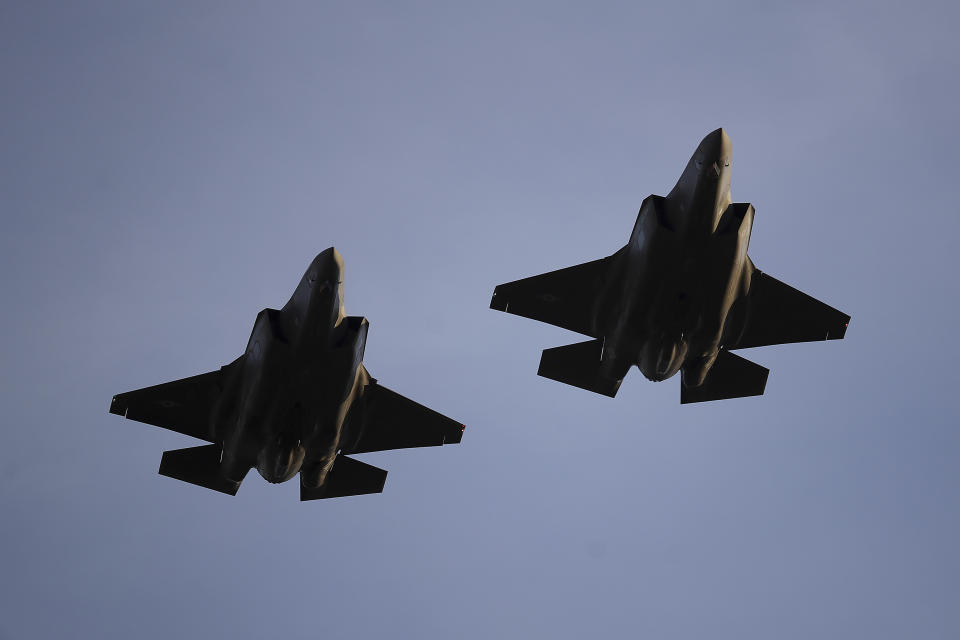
column 391, row 421
column 777, row 313
column 183, row 405
column 564, row 298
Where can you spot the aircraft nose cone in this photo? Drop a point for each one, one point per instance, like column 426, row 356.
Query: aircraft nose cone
column 329, row 259
column 326, row 268
column 716, row 144
column 717, row 136
column 330, row 254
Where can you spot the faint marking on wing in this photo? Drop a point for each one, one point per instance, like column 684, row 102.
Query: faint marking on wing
column 184, row 405
column 564, row 298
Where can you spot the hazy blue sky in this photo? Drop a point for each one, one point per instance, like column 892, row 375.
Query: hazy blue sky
column 168, row 169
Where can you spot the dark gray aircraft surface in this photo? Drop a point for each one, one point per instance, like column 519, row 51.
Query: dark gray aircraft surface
column 298, row 400
column 680, row 296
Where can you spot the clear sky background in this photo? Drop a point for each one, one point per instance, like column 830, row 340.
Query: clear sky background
column 169, row 169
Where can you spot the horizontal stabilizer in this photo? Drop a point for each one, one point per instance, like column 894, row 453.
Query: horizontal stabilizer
column 199, row 466
column 730, row 377
column 348, row 477
column 579, row 365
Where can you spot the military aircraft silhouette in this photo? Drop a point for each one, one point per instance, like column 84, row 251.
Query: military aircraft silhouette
column 680, row 296
column 297, row 401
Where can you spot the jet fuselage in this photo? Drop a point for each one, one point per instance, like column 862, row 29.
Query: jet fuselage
column 674, row 283
column 681, row 295
column 284, row 407
column 298, row 400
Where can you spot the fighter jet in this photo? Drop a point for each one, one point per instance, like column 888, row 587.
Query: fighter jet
column 298, row 400
column 681, row 295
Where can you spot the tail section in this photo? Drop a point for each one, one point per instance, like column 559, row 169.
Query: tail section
column 348, row 477
column 199, row 466
column 580, row 365
column 730, row 377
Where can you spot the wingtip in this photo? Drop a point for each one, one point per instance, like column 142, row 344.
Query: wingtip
column 118, row 407
column 500, row 304
column 456, row 435
column 840, row 332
